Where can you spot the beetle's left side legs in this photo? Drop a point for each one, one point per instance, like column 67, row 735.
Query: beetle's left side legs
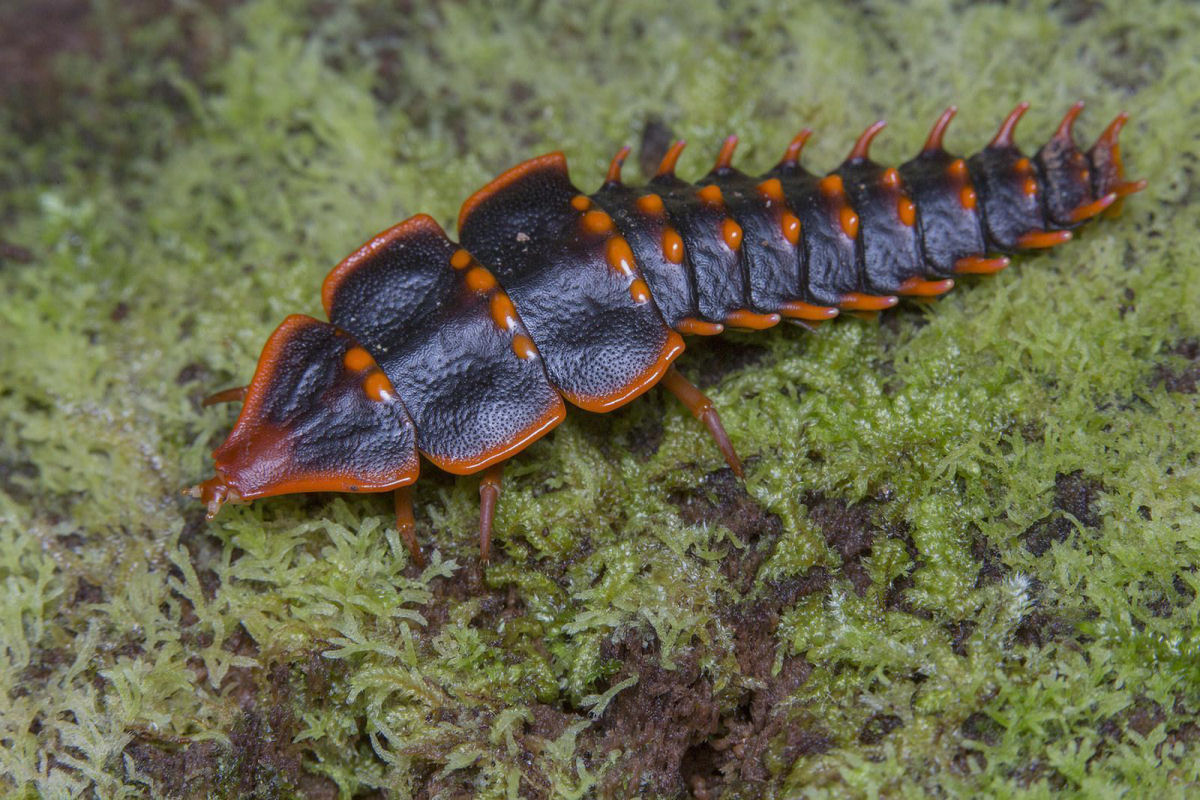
column 702, row 408
column 489, row 493
column 406, row 524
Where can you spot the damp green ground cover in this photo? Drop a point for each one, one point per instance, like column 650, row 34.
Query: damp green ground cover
column 964, row 558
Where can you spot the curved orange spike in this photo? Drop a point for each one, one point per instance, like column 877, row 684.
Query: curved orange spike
column 744, row 318
column 857, row 301
column 725, row 157
column 1068, row 120
column 791, row 156
column 1130, row 187
column 1093, row 208
column 614, row 167
column 933, row 142
column 667, row 165
column 860, row 150
column 1039, row 240
column 916, row 287
column 1004, row 136
column 1113, row 131
column 978, row 265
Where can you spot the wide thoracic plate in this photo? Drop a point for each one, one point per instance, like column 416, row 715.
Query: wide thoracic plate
column 318, row 416
column 451, row 343
column 587, row 307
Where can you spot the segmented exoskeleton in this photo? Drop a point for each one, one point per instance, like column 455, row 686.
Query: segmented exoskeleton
column 465, row 353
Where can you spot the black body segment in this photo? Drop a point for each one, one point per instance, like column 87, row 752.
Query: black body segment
column 1008, row 188
column 716, row 268
column 948, row 219
column 891, row 249
column 641, row 218
column 450, row 341
column 318, row 416
column 587, row 307
column 771, row 264
column 831, row 268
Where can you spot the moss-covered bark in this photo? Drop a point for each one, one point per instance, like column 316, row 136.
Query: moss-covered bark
column 963, row 560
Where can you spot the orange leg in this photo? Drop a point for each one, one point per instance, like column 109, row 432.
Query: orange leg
column 489, row 493
column 235, row 395
column 702, row 408
column 407, row 525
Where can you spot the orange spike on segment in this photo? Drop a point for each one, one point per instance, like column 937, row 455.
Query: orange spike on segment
column 1068, row 120
column 750, row 320
column 725, row 157
column 797, row 309
column 1130, row 187
column 235, row 395
column 934, row 142
column 791, row 156
column 614, row 167
column 667, row 165
column 1004, row 136
column 916, row 287
column 1113, row 131
column 1039, row 240
column 698, row 327
column 857, row 301
column 978, row 265
column 860, row 151
column 1093, row 208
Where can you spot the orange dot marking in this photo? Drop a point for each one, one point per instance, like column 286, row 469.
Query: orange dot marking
column 967, row 198
column 672, row 246
column 957, row 168
column 597, row 222
column 711, row 194
column 906, row 211
column 849, row 222
column 772, row 189
column 1030, row 186
column 791, row 227
column 1022, row 165
column 639, row 291
column 891, row 178
column 650, row 204
column 461, row 259
column 503, row 313
column 580, row 202
column 832, row 185
column 522, row 345
column 377, row 386
column 357, row 359
column 620, row 257
column 480, row 280
column 731, row 232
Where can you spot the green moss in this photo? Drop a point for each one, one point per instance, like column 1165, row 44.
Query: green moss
column 964, row 558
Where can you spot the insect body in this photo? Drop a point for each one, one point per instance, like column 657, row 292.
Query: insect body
column 465, row 353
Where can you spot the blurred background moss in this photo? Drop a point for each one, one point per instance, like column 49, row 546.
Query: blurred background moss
column 963, row 561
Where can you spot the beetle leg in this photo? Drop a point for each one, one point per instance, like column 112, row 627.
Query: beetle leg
column 489, row 493
column 407, row 525
column 235, row 395
column 702, row 408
